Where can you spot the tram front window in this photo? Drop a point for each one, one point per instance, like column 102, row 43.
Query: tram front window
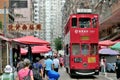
column 84, row 48
column 74, row 22
column 75, row 49
column 94, row 22
column 84, row 22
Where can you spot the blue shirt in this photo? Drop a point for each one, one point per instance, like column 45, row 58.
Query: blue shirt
column 48, row 64
column 37, row 65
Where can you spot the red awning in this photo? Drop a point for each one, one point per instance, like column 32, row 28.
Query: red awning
column 30, row 40
column 40, row 49
column 106, row 43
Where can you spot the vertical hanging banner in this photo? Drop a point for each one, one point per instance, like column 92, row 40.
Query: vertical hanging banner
column 23, row 27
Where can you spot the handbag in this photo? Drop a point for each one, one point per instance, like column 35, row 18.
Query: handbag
column 28, row 77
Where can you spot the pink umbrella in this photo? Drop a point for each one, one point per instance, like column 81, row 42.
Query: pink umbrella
column 106, row 43
column 23, row 51
column 40, row 49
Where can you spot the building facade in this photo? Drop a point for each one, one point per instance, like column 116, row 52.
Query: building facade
column 23, row 15
column 6, row 15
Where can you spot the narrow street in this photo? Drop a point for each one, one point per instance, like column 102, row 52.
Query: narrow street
column 65, row 76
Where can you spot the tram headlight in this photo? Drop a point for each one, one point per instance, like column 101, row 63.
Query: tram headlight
column 77, row 60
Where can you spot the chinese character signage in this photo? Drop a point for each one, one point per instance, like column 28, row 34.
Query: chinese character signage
column 23, row 27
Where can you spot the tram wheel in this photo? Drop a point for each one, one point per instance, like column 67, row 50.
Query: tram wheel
column 71, row 75
column 96, row 73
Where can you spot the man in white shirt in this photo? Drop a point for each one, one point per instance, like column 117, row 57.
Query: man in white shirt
column 56, row 63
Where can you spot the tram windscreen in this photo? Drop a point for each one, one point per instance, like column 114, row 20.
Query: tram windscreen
column 84, row 22
column 74, row 22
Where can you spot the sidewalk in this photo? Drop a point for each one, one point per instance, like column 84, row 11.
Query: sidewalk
column 109, row 76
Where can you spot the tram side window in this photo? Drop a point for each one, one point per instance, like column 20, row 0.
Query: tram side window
column 74, row 22
column 75, row 49
column 67, row 49
column 85, row 49
column 94, row 22
column 84, row 22
column 94, row 48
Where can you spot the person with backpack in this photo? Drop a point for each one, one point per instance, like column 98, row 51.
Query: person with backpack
column 25, row 72
column 48, row 65
column 37, row 70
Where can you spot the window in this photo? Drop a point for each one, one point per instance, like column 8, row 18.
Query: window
column 84, row 22
column 19, row 4
column 84, row 48
column 67, row 49
column 94, row 48
column 94, row 22
column 75, row 49
column 74, row 22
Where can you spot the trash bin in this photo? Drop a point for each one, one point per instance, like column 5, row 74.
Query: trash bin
column 53, row 75
column 8, row 73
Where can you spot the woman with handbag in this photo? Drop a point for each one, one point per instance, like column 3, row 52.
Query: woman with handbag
column 25, row 73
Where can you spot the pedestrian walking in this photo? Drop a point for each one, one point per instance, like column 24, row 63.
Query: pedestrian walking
column 37, row 70
column 103, row 65
column 25, row 71
column 56, row 63
column 42, row 61
column 61, row 60
column 117, row 68
column 20, row 64
column 48, row 65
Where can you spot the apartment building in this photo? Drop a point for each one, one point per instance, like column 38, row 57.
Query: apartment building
column 49, row 17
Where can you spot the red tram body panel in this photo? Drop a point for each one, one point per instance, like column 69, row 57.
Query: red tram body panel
column 81, row 38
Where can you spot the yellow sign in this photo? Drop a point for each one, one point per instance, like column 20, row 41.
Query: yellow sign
column 91, row 59
column 84, row 38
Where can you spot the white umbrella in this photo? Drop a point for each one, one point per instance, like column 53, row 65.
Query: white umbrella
column 108, row 51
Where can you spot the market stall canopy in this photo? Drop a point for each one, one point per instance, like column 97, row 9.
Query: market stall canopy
column 40, row 49
column 116, row 46
column 108, row 51
column 30, row 40
column 106, row 43
column 23, row 51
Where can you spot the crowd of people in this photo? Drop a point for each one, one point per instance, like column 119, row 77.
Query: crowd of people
column 38, row 70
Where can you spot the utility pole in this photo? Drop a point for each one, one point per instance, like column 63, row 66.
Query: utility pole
column 5, row 31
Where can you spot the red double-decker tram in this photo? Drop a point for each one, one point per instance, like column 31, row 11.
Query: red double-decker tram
column 81, row 38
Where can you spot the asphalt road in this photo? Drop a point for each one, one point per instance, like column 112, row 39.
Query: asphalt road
column 65, row 76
